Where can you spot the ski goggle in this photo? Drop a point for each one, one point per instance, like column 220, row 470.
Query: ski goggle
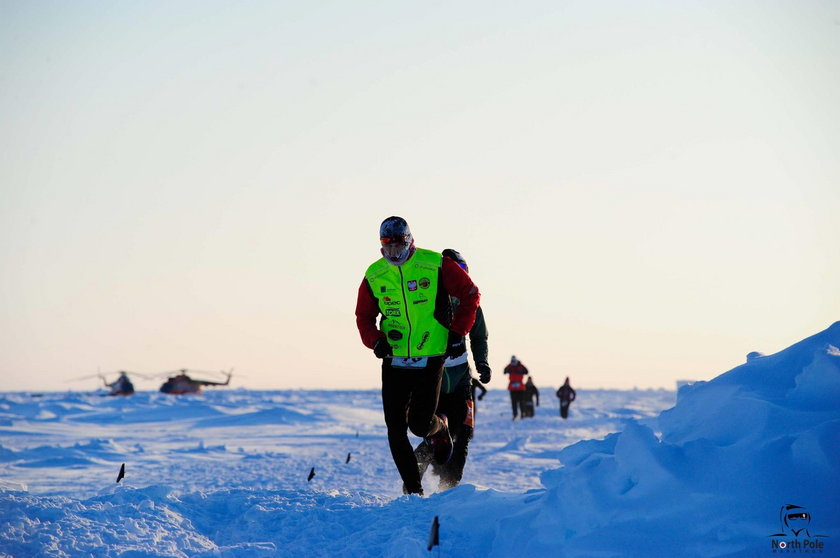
column 462, row 266
column 386, row 240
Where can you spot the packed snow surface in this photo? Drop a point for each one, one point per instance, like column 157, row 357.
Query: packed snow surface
column 628, row 474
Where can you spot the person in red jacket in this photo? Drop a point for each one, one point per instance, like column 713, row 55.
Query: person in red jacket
column 403, row 313
column 516, row 386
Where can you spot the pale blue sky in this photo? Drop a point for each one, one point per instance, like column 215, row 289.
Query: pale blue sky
column 645, row 191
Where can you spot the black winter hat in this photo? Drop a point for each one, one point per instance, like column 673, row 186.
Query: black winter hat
column 457, row 257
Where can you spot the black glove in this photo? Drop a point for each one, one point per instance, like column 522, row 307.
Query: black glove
column 484, row 372
column 455, row 346
column 382, row 348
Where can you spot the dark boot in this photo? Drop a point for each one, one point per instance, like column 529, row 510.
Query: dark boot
column 440, row 442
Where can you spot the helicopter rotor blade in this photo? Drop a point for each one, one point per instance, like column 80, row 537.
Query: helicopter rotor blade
column 88, row 377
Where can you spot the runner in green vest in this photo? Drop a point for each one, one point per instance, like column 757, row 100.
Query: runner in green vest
column 403, row 313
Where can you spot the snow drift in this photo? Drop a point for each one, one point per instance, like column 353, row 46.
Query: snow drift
column 712, row 476
column 731, row 453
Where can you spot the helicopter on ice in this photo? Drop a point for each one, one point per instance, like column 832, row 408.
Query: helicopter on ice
column 181, row 383
column 121, row 386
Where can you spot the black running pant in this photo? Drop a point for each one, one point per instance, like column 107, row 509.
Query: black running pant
column 409, row 400
column 564, row 409
column 517, row 403
column 455, row 406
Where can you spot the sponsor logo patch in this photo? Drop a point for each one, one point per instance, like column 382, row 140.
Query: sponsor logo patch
column 423, row 340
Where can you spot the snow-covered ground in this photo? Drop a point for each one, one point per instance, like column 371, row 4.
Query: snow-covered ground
column 225, row 473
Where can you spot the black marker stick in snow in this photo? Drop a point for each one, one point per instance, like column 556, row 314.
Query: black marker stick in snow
column 434, row 534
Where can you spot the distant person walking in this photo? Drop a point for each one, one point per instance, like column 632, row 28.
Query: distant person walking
column 403, row 313
column 531, row 397
column 516, row 372
column 566, row 394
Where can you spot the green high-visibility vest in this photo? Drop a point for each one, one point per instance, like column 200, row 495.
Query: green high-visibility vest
column 407, row 296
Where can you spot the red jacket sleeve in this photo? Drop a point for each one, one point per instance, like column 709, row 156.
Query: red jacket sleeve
column 457, row 283
column 367, row 310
